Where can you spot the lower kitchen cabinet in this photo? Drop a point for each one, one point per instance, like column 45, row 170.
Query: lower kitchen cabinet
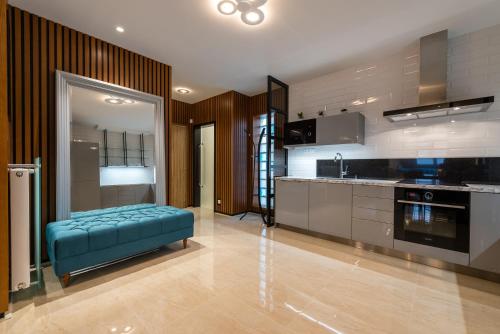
column 292, row 203
column 330, row 207
column 372, row 232
column 485, row 232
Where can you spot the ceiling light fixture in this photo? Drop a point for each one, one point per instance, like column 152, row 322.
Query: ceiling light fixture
column 118, row 100
column 183, row 91
column 227, row 7
column 251, row 14
column 120, row 29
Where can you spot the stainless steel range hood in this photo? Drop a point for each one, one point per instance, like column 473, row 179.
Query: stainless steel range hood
column 433, row 83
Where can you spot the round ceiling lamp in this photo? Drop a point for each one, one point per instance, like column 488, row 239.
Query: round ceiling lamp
column 183, row 91
column 251, row 14
column 227, row 7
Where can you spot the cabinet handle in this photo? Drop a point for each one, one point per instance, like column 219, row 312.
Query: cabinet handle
column 433, row 204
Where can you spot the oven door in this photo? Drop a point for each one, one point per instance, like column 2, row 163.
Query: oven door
column 433, row 224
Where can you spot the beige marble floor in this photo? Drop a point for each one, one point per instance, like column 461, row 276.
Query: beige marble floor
column 236, row 277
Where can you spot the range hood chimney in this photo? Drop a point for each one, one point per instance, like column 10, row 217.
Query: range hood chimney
column 433, row 84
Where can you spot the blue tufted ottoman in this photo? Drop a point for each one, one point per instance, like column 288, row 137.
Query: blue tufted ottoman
column 89, row 240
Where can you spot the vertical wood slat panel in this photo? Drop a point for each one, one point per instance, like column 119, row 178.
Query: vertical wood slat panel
column 27, row 145
column 93, row 58
column 36, row 86
column 5, row 84
column 18, row 88
column 104, row 56
column 111, row 63
column 80, row 48
column 74, row 52
column 40, row 47
column 99, row 59
column 44, row 120
column 66, row 47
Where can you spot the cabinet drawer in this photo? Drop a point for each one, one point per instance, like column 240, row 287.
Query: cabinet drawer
column 374, row 233
column 374, row 191
column 371, row 214
column 383, row 204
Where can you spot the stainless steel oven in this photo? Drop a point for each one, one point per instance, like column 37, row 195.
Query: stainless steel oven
column 437, row 218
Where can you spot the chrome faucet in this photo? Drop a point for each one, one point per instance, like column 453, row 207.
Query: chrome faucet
column 342, row 172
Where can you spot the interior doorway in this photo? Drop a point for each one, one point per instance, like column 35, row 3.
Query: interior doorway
column 204, row 166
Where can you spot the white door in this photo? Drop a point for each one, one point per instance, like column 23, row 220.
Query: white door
column 207, row 168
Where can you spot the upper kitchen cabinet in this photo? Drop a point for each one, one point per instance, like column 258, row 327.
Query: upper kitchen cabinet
column 330, row 207
column 292, row 203
column 345, row 128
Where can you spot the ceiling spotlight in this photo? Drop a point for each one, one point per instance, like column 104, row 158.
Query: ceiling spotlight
column 227, row 7
column 120, row 29
column 253, row 16
column 128, row 101
column 456, row 108
column 183, row 91
column 249, row 9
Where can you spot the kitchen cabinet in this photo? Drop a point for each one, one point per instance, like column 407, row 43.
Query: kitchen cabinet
column 292, row 203
column 373, row 215
column 373, row 233
column 485, row 231
column 330, row 207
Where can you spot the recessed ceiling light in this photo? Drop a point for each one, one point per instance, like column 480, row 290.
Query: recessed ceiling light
column 409, row 114
column 253, row 16
column 128, row 101
column 456, row 108
column 120, row 29
column 183, row 91
column 452, row 121
column 226, row 7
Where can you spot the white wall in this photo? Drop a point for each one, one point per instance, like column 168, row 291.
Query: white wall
column 391, row 83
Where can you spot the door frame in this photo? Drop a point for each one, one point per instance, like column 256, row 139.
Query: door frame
column 199, row 126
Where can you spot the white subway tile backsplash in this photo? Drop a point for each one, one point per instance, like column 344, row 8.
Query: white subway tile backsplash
column 390, row 83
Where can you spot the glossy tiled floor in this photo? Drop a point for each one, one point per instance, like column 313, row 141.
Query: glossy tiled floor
column 237, row 278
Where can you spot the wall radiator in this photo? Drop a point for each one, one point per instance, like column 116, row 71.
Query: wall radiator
column 20, row 229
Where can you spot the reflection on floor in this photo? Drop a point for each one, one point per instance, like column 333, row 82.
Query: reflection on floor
column 239, row 278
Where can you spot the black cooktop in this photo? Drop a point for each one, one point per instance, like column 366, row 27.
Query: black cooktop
column 433, row 182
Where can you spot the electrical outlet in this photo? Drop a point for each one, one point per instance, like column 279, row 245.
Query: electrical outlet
column 219, row 202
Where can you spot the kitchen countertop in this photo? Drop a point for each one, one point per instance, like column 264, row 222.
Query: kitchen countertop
column 479, row 188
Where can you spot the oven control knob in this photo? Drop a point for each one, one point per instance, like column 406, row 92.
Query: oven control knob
column 428, row 196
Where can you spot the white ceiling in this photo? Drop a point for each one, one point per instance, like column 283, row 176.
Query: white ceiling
column 89, row 108
column 299, row 39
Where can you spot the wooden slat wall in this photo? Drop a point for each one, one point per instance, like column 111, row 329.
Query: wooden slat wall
column 229, row 113
column 179, row 170
column 4, row 159
column 37, row 48
column 240, row 137
column 181, row 112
